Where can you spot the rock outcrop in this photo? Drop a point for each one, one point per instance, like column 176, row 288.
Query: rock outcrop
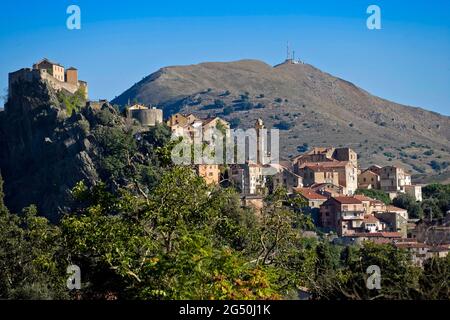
column 44, row 151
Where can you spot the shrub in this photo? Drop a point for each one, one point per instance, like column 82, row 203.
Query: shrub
column 219, row 103
column 278, row 100
column 227, row 110
column 235, row 122
column 303, row 148
column 283, row 125
column 436, row 166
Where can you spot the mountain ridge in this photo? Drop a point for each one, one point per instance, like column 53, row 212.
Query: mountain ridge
column 311, row 102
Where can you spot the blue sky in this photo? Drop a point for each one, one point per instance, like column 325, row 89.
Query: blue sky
column 120, row 42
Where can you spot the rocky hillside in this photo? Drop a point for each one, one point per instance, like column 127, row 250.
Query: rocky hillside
column 45, row 151
column 311, row 107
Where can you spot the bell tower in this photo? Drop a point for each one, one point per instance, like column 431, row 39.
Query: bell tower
column 260, row 143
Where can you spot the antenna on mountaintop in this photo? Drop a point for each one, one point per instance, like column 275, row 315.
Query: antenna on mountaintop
column 287, row 51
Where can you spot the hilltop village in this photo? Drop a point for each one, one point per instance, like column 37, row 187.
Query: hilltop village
column 331, row 183
column 329, row 180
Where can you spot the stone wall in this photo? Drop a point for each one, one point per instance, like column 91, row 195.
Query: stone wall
column 29, row 75
column 147, row 117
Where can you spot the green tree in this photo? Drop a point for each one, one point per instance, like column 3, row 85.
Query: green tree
column 435, row 279
column 32, row 262
column 375, row 194
column 117, row 149
column 438, row 193
column 168, row 245
column 406, row 201
column 399, row 278
column 431, row 208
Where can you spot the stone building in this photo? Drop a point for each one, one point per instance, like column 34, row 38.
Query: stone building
column 54, row 69
column 189, row 126
column 321, row 154
column 369, row 180
column 396, row 219
column 394, row 179
column 53, row 73
column 415, row 191
column 342, row 214
column 285, row 178
column 327, row 189
column 314, row 199
column 342, row 173
column 420, row 252
column 148, row 117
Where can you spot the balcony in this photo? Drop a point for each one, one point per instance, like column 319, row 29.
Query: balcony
column 352, row 215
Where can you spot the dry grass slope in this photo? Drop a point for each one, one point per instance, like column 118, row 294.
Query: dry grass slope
column 318, row 109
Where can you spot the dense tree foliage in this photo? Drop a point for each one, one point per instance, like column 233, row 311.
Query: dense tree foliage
column 153, row 230
column 32, row 261
column 435, row 204
column 438, row 196
column 179, row 243
column 408, row 202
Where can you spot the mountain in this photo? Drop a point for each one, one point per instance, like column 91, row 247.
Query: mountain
column 312, row 107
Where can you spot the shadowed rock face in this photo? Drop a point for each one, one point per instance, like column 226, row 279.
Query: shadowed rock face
column 44, row 153
column 317, row 108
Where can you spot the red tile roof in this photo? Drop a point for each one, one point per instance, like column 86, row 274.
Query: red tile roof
column 347, row 200
column 378, row 234
column 376, row 202
column 394, row 209
column 370, row 218
column 310, row 194
column 324, row 165
column 370, row 171
column 362, row 197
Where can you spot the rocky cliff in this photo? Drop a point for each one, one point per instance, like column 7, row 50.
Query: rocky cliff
column 45, row 151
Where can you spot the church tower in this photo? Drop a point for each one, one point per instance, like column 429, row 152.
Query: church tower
column 260, row 143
